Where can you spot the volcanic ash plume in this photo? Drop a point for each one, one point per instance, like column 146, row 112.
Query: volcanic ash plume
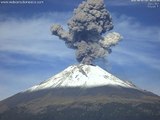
column 89, row 22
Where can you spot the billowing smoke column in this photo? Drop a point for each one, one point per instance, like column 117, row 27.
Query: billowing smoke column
column 89, row 22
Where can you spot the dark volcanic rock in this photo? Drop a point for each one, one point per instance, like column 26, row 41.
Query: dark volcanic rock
column 98, row 103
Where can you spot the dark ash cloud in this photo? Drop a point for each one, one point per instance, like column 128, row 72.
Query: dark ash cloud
column 89, row 22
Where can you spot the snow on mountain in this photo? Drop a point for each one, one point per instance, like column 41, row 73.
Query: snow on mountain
column 82, row 76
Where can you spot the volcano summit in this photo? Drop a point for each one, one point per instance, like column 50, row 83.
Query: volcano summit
column 82, row 92
column 83, row 76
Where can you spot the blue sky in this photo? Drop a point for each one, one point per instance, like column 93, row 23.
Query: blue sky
column 29, row 53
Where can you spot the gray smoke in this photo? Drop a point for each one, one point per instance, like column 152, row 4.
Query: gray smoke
column 89, row 22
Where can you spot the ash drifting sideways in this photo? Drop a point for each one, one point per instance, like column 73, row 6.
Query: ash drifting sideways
column 86, row 28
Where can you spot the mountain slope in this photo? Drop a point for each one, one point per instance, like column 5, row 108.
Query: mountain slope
column 84, row 76
column 82, row 92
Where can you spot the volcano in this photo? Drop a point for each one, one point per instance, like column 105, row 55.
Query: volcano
column 82, row 92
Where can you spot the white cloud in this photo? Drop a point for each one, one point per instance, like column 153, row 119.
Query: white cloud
column 29, row 37
column 134, row 30
column 140, row 43
column 10, row 84
column 32, row 36
column 130, row 57
column 140, row 46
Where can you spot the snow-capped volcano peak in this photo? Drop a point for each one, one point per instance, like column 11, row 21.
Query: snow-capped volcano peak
column 82, row 76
